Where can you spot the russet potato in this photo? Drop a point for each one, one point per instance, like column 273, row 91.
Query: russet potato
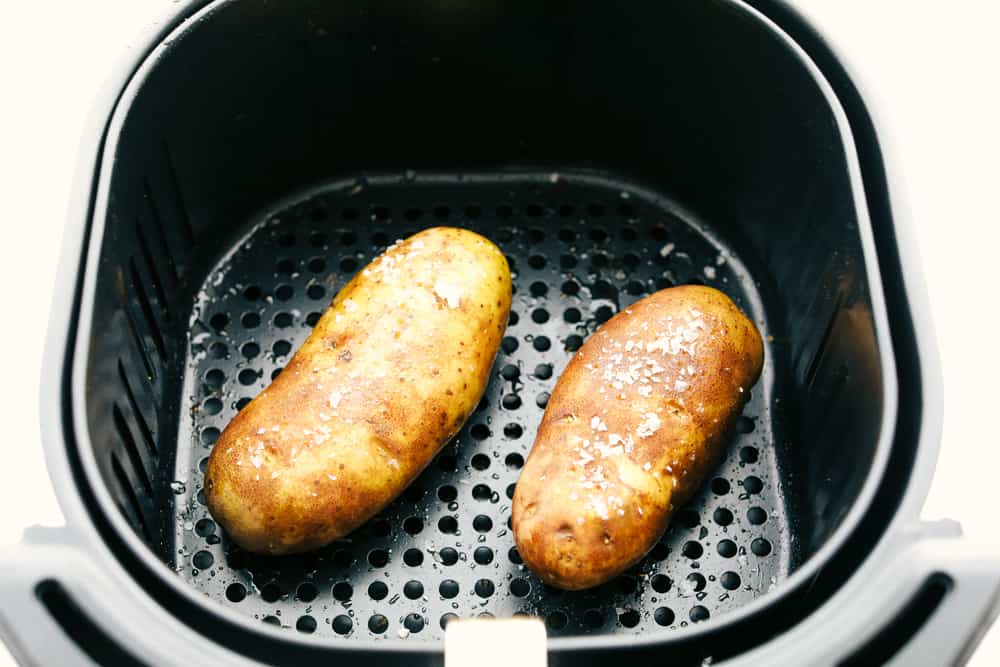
column 389, row 374
column 634, row 425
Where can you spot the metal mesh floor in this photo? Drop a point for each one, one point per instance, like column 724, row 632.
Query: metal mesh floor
column 580, row 249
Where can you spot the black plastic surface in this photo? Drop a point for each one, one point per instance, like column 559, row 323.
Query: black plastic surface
column 723, row 119
column 581, row 249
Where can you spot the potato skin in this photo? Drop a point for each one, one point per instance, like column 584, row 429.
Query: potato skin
column 638, row 419
column 390, row 373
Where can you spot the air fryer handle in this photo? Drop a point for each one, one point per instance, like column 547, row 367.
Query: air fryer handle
column 927, row 598
column 963, row 579
column 57, row 607
column 30, row 576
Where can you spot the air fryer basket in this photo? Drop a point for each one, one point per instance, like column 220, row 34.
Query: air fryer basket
column 214, row 270
column 264, row 152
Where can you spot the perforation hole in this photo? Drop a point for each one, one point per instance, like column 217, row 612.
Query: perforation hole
column 209, row 436
column 571, row 288
column 699, row 613
column 661, row 583
column 603, row 314
column 538, row 289
column 730, row 581
column 629, row 618
column 663, row 616
column 448, row 556
column 760, row 547
column 722, row 516
column 511, row 402
column 248, row 376
column 413, row 589
column 342, row 591
column 236, row 592
column 219, row 321
column 377, row 590
column 726, row 548
column 378, row 557
column 753, row 485
column 514, row 461
column 306, row 592
column 413, row 525
column 378, row 624
column 414, row 623
column 448, row 589
column 271, row 592
column 342, row 624
column 484, row 588
column 720, row 486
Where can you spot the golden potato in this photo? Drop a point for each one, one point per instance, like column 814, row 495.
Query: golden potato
column 390, row 373
column 638, row 419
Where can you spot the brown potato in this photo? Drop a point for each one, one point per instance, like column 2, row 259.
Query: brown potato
column 390, row 373
column 638, row 419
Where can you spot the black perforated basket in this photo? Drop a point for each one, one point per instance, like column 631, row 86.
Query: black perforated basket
column 259, row 154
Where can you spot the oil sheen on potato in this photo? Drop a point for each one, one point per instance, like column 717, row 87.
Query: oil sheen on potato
column 389, row 374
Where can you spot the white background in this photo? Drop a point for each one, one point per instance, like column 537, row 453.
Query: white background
column 934, row 68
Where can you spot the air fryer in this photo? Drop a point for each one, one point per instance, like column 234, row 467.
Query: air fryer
column 257, row 154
